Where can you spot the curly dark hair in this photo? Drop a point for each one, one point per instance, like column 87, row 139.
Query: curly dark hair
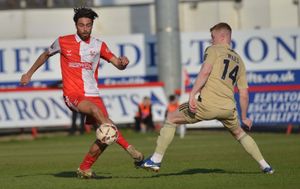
column 83, row 12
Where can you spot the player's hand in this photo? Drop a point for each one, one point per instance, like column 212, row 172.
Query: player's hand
column 25, row 79
column 124, row 61
column 248, row 123
column 192, row 103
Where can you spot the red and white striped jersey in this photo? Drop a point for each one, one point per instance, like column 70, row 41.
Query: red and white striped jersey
column 79, row 62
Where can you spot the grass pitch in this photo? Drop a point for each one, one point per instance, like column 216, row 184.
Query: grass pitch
column 203, row 159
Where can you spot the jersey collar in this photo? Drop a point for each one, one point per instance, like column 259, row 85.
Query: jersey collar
column 78, row 39
column 223, row 45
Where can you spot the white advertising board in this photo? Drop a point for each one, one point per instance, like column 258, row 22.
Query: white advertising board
column 45, row 107
column 16, row 57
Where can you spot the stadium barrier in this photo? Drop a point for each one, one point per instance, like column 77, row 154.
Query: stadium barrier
column 269, row 105
column 271, row 58
column 44, row 107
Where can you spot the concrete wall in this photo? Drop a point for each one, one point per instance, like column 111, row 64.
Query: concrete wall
column 194, row 17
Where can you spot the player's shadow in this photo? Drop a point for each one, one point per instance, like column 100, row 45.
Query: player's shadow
column 192, row 172
column 72, row 174
column 202, row 171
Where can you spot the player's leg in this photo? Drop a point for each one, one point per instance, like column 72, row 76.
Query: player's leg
column 100, row 113
column 136, row 155
column 167, row 132
column 91, row 109
column 94, row 107
column 251, row 147
column 87, row 107
column 247, row 142
column 84, row 170
column 166, row 135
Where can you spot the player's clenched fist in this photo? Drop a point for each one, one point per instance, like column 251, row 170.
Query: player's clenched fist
column 124, row 61
column 25, row 79
column 248, row 122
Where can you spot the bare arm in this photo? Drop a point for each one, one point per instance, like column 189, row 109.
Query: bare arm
column 25, row 79
column 244, row 102
column 199, row 83
column 120, row 63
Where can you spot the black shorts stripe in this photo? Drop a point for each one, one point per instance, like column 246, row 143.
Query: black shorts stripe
column 183, row 106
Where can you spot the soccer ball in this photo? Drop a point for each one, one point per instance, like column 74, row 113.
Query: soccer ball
column 107, row 133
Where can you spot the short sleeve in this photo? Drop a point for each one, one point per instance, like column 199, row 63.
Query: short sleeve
column 54, row 48
column 210, row 55
column 105, row 53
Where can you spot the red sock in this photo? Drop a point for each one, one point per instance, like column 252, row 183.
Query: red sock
column 87, row 162
column 121, row 141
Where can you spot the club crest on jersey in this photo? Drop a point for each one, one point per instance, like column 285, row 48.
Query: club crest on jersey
column 92, row 53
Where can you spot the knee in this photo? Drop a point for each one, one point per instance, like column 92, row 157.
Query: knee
column 238, row 133
column 176, row 118
column 170, row 118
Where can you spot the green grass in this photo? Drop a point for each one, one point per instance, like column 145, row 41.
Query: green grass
column 203, row 159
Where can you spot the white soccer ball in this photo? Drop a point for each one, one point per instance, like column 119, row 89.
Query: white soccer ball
column 107, row 133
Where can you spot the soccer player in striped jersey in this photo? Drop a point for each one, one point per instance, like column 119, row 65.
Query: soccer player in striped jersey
column 80, row 55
